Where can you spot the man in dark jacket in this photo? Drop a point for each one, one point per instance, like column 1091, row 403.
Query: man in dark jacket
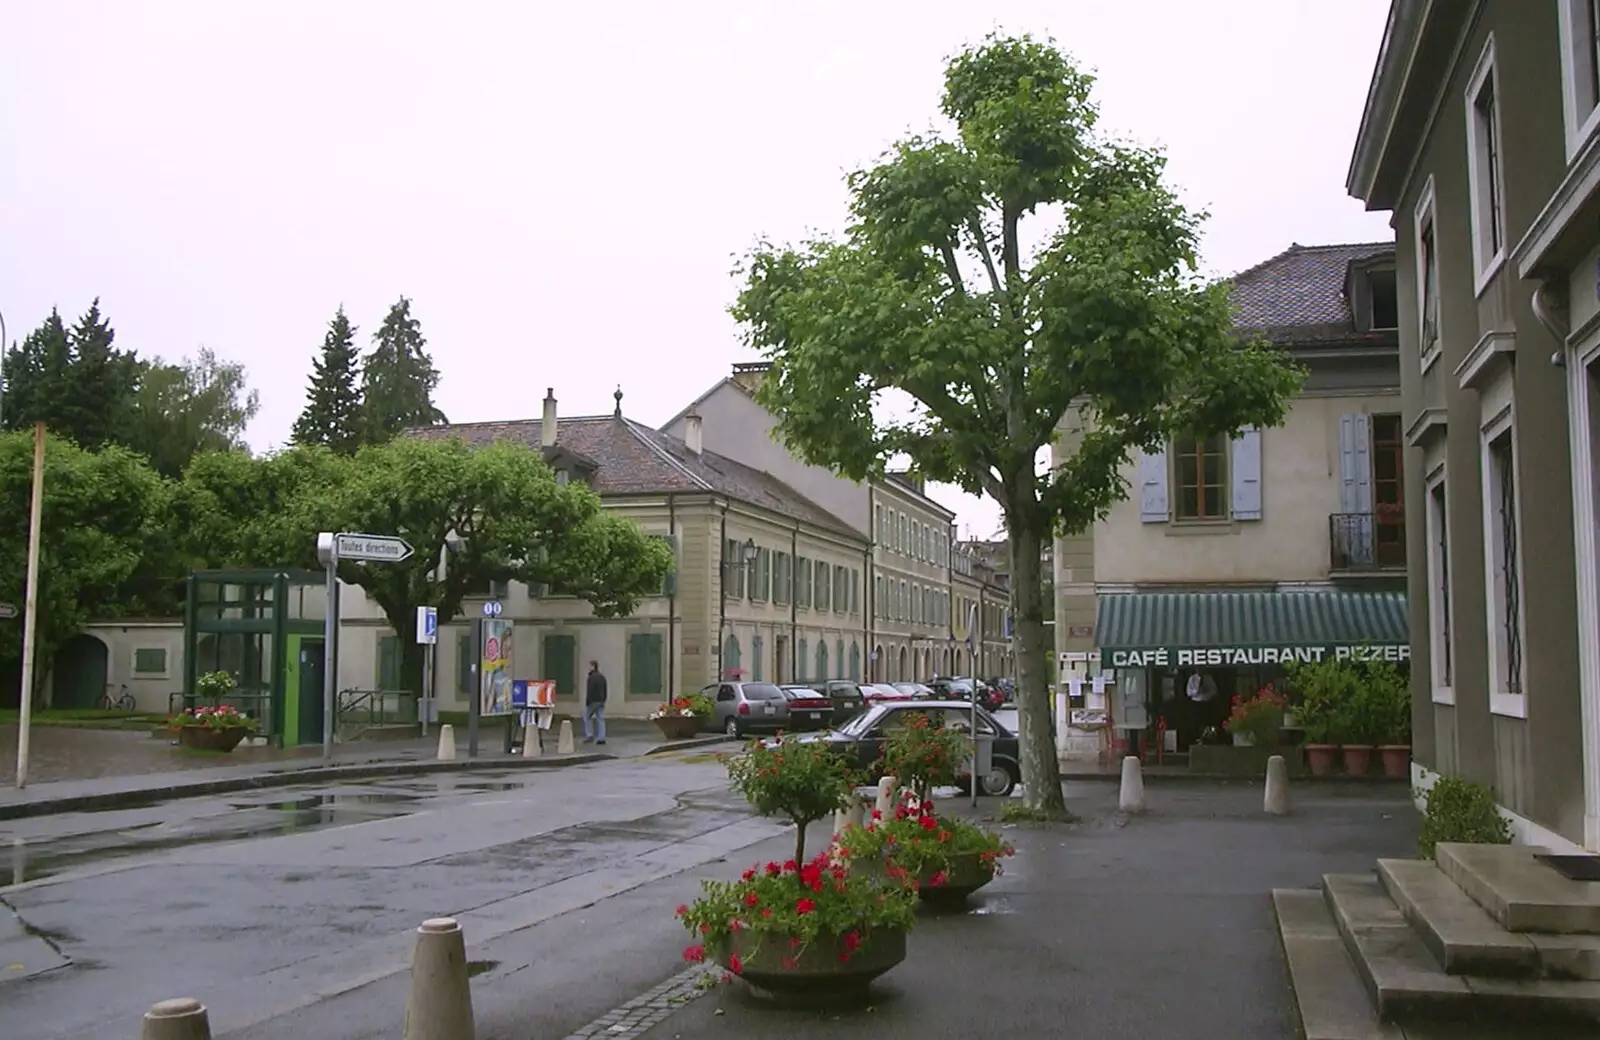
column 594, row 706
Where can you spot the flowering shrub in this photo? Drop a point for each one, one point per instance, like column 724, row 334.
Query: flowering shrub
column 924, row 753
column 794, row 904
column 803, row 782
column 1259, row 717
column 213, row 686
column 222, row 716
column 916, row 843
column 693, row 706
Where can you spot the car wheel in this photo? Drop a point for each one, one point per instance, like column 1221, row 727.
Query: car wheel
column 998, row 782
column 732, row 728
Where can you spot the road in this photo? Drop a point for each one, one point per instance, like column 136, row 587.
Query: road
column 266, row 903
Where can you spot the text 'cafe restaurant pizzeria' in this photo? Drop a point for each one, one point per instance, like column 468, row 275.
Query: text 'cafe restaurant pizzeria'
column 1179, row 658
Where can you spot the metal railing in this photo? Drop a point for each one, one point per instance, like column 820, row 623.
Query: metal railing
column 1367, row 541
column 361, row 709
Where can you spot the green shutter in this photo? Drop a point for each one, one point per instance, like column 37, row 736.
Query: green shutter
column 560, row 659
column 644, row 663
column 466, row 672
column 388, row 662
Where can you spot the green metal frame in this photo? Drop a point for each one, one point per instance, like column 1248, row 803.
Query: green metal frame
column 272, row 619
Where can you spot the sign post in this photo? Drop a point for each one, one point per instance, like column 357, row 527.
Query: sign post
column 428, row 637
column 972, row 648
column 331, row 548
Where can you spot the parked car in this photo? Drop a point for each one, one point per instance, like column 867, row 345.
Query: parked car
column 878, row 692
column 861, row 739
column 808, row 709
column 968, row 688
column 915, row 689
column 747, row 707
column 847, row 697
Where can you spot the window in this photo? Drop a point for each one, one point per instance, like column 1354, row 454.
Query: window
column 484, row 588
column 1201, row 469
column 841, row 589
column 1580, row 61
column 1442, row 652
column 150, row 662
column 1384, row 300
column 823, row 596
column 733, row 569
column 1504, row 572
column 855, row 591
column 781, row 577
column 1483, row 169
column 802, row 587
column 1427, row 278
column 1388, row 491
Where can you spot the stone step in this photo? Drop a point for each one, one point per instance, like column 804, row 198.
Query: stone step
column 1329, row 996
column 1406, row 984
column 1521, row 893
column 1466, row 940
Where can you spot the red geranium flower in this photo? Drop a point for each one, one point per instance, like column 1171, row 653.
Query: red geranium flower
column 804, row 906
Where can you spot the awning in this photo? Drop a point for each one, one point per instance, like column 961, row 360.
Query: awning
column 1189, row 629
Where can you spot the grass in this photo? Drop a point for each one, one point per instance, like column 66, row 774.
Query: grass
column 1016, row 812
column 85, row 718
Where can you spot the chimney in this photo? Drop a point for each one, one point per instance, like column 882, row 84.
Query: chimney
column 547, row 425
column 693, row 433
column 749, row 374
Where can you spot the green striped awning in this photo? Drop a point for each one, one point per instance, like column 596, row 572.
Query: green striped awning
column 1219, row 628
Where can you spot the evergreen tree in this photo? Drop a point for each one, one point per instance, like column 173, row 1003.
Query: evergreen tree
column 36, row 376
column 398, row 378
column 103, row 383
column 332, row 415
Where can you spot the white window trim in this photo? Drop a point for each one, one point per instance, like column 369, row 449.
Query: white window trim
column 1479, row 213
column 1425, row 214
column 1511, row 705
column 133, row 661
column 1579, row 125
column 1442, row 693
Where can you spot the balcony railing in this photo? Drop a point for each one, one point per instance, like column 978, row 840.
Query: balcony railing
column 1368, row 541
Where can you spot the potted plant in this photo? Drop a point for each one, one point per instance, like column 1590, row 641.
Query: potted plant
column 805, row 924
column 1256, row 721
column 1364, row 722
column 682, row 718
column 213, row 726
column 1390, row 703
column 943, row 858
column 925, row 753
column 1325, row 689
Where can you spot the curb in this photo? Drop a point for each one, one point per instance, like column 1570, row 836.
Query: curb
column 138, row 797
column 684, row 745
column 1212, row 778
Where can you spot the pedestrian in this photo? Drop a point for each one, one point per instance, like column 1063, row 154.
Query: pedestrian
column 594, row 706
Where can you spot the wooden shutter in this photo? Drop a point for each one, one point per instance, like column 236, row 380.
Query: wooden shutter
column 1153, row 507
column 644, row 663
column 1246, row 474
column 388, row 662
column 1355, row 463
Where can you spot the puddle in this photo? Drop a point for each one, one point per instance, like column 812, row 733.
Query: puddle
column 486, row 787
column 325, row 801
column 992, row 905
column 479, row 967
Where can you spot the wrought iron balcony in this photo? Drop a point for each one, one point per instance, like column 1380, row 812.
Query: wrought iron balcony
column 1368, row 541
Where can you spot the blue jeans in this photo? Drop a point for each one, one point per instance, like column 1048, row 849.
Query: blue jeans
column 594, row 721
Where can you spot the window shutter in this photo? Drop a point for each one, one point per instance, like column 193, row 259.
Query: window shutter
column 1247, row 475
column 644, row 663
column 800, row 661
column 1153, row 508
column 1355, row 463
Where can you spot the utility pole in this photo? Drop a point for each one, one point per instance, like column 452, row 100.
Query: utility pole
column 30, row 609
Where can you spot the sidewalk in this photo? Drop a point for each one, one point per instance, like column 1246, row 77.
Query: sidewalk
column 73, row 770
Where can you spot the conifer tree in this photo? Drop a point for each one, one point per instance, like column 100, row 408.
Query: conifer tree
column 398, row 378
column 333, row 415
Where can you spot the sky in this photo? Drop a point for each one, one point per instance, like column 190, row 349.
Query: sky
column 563, row 189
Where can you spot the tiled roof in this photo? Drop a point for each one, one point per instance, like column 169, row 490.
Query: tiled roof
column 631, row 458
column 1299, row 295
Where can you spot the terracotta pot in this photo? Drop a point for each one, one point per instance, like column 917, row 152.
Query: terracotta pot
column 1319, row 757
column 678, row 727
column 1396, row 760
column 1357, row 758
column 966, row 874
column 204, row 738
column 818, row 968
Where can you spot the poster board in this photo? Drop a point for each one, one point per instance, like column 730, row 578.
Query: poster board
column 494, row 671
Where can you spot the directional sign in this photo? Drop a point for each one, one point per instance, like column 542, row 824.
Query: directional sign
column 492, row 608
column 7, row 611
column 376, row 548
column 427, row 625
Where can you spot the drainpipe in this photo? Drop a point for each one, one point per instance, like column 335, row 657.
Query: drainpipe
column 722, row 589
column 794, row 616
column 672, row 603
column 869, row 597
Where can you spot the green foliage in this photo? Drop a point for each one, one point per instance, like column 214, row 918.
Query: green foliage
column 1260, row 718
column 75, row 381
column 1459, row 810
column 698, row 703
column 1325, row 693
column 184, row 410
column 933, row 293
column 213, row 686
column 916, row 846
column 801, row 781
column 1385, row 699
column 398, row 378
column 332, row 416
column 923, row 754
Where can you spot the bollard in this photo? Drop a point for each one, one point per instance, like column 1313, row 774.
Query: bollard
column 447, row 743
column 1276, row 801
column 564, row 745
column 440, row 1005
column 532, row 742
column 885, row 803
column 1131, row 798
column 180, row 1019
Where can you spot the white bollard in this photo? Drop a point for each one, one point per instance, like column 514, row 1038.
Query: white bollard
column 180, row 1019
column 886, row 788
column 564, row 746
column 532, row 742
column 1276, row 801
column 1131, row 798
column 440, row 1006
column 447, row 743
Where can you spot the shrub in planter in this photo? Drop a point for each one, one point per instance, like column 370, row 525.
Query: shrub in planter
column 925, row 753
column 939, row 856
column 1257, row 720
column 1327, row 692
column 1459, row 810
column 682, row 717
column 801, row 781
column 1387, row 697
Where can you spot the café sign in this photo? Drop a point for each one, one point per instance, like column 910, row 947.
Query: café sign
column 1221, row 656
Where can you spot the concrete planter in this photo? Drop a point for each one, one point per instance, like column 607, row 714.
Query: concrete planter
column 1233, row 760
column 1396, row 761
column 678, row 727
column 966, row 874
column 768, row 963
column 204, row 738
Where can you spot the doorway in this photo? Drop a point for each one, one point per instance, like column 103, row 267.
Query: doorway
column 79, row 673
column 305, row 696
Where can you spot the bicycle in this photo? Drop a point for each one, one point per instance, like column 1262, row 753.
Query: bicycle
column 123, row 702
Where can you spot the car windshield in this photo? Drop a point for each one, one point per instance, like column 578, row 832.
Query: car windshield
column 760, row 691
column 858, row 726
column 800, row 693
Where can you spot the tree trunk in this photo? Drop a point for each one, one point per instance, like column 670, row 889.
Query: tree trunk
column 1041, row 770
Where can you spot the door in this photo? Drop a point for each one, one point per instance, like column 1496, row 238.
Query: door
column 80, row 673
column 561, row 663
column 308, row 702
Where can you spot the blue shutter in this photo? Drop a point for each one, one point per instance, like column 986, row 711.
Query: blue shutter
column 1355, row 463
column 1246, row 472
column 1153, row 508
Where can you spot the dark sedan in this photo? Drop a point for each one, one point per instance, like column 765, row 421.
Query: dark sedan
column 808, row 709
column 862, row 738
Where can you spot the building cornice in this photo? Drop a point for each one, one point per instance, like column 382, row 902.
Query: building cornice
column 1486, row 357
column 1429, row 423
column 1565, row 227
column 1401, row 36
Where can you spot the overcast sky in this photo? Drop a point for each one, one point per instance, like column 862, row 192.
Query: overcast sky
column 561, row 188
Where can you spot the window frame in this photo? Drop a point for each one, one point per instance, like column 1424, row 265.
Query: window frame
column 1224, row 486
column 1579, row 33
column 1485, row 170
column 1424, row 222
column 164, row 672
column 1441, row 621
column 1502, row 700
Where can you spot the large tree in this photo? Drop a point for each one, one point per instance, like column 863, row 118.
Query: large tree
column 994, row 328
column 36, row 376
column 332, row 415
column 398, row 378
column 186, row 409
column 74, row 380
